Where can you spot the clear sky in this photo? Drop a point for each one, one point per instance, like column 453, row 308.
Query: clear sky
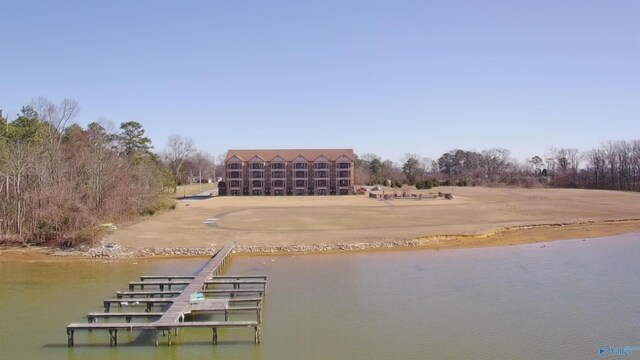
column 387, row 77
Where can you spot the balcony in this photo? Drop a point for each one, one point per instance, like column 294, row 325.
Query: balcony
column 300, row 174
column 322, row 174
column 344, row 174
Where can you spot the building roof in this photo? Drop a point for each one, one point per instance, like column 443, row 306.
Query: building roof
column 291, row 154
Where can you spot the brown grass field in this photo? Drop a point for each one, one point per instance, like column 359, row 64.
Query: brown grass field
column 475, row 217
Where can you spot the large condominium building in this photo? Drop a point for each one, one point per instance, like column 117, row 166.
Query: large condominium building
column 290, row 172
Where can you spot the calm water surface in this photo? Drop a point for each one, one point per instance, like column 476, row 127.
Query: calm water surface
column 559, row 300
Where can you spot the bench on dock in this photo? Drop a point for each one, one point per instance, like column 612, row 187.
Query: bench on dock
column 158, row 326
column 148, row 302
column 131, row 294
column 236, row 282
column 233, row 292
column 94, row 316
column 128, row 316
column 159, row 283
column 238, row 277
column 167, row 277
column 257, row 309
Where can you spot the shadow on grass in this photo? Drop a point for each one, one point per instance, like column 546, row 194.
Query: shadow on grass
column 195, row 197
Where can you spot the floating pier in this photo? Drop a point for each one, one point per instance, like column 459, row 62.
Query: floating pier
column 185, row 296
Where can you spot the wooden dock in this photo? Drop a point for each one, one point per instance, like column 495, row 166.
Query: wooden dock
column 179, row 296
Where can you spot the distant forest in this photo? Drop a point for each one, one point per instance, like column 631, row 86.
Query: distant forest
column 614, row 165
column 60, row 181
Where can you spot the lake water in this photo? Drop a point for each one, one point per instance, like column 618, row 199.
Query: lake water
column 555, row 300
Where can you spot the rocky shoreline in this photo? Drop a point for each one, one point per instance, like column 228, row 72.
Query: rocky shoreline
column 119, row 252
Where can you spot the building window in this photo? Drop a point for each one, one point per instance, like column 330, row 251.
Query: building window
column 344, row 191
column 256, row 175
column 300, row 183
column 257, row 166
column 299, row 191
column 301, row 174
column 234, row 184
column 321, row 165
column 300, row 165
column 278, row 192
column 344, row 165
column 277, row 174
column 278, row 166
column 322, row 174
column 343, row 183
column 344, row 174
column 256, row 183
column 234, row 175
column 256, row 192
column 235, row 192
column 234, row 166
column 322, row 183
column 278, row 183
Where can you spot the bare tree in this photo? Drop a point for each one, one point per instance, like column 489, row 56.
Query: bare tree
column 178, row 149
column 496, row 160
column 58, row 116
column 218, row 168
column 204, row 164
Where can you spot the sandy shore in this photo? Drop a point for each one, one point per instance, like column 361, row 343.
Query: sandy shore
column 477, row 217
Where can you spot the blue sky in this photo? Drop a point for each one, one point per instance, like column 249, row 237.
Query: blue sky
column 388, row 77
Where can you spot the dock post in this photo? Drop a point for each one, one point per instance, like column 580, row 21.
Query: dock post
column 259, row 314
column 156, row 336
column 215, row 335
column 226, row 314
column 107, row 306
column 113, row 337
column 69, row 338
column 258, row 336
column 169, row 337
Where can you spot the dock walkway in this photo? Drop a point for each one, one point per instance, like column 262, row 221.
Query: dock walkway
column 181, row 303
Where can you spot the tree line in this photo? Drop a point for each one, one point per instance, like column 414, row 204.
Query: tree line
column 60, row 181
column 614, row 165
